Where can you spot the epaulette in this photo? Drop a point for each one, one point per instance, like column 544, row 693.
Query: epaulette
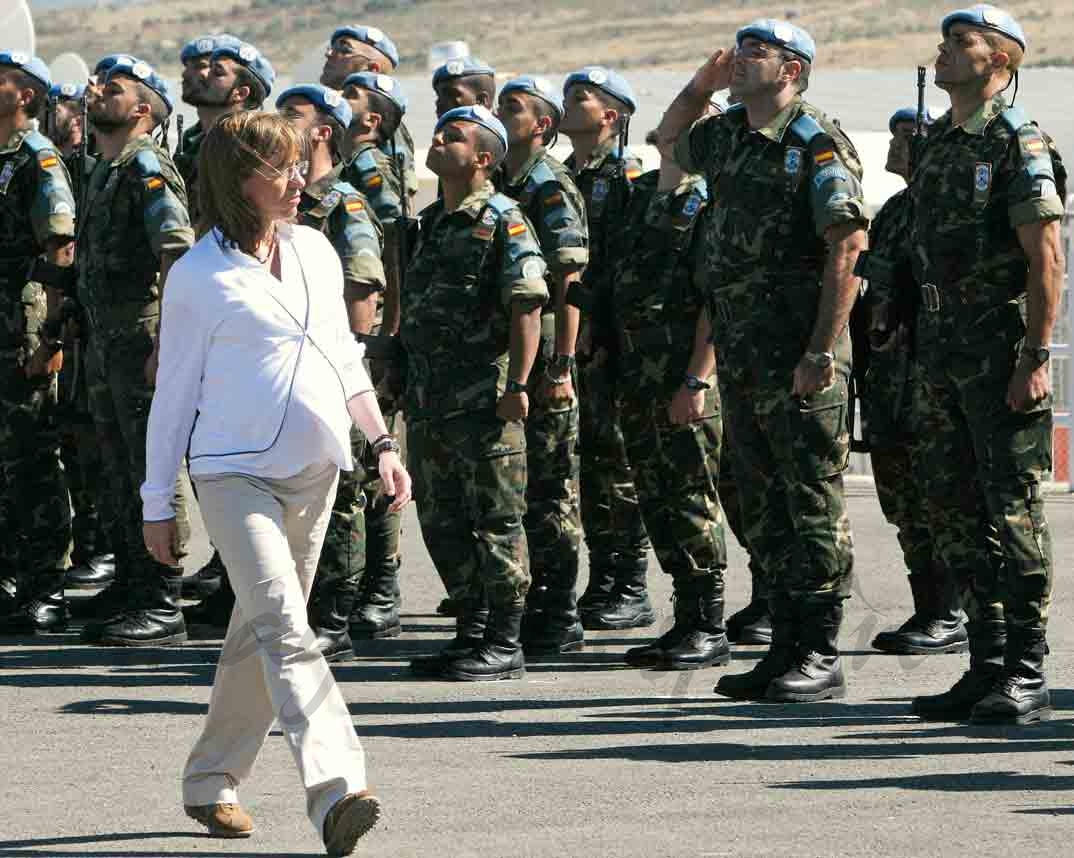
column 806, row 128
column 42, row 149
column 146, row 162
column 501, row 204
column 540, row 175
column 365, row 161
column 1014, row 118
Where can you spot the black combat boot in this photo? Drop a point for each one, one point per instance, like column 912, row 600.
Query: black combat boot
column 752, row 625
column 329, row 615
column 107, row 604
column 39, row 604
column 598, row 590
column 98, row 571
column 214, row 611
column 500, row 654
column 628, row 606
column 697, row 639
column 157, row 619
column 753, row 685
column 376, row 608
column 1021, row 695
column 469, row 634
column 206, row 581
column 551, row 624
column 817, row 671
column 988, row 639
column 936, row 625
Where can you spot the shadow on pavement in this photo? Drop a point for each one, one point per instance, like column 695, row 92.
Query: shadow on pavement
column 948, row 782
column 48, row 846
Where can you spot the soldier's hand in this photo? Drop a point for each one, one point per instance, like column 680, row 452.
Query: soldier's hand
column 556, row 395
column 513, row 406
column 810, row 378
column 396, row 479
column 1028, row 387
column 45, row 360
column 715, row 74
column 686, row 406
column 162, row 540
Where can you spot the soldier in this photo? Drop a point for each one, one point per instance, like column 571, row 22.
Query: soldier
column 470, row 329
column 986, row 200
column 357, row 49
column 337, row 209
column 464, row 82
column 782, row 246
column 531, row 110
column 598, row 103
column 135, row 225
column 37, row 226
column 892, row 298
column 669, row 408
column 378, row 105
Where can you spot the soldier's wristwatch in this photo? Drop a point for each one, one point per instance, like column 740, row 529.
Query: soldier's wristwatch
column 695, row 384
column 514, row 386
column 821, row 360
column 1038, row 356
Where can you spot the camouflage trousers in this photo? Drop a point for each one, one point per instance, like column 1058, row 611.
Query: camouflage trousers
column 553, row 522
column 119, row 400
column 676, row 470
column 611, row 515
column 983, row 466
column 790, row 456
column 362, row 535
column 470, row 488
column 731, row 502
column 81, row 456
column 35, row 511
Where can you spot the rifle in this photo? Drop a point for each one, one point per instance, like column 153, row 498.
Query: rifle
column 919, row 120
column 179, row 122
column 78, row 179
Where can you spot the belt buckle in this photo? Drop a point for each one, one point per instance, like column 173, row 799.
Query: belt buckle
column 931, row 296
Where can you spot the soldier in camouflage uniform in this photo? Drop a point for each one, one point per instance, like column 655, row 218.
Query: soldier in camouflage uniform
column 356, row 49
column 785, row 235
column 378, row 105
column 598, row 104
column 37, row 219
column 888, row 421
column 530, row 110
column 464, row 82
column 669, row 408
column 135, row 225
column 337, row 209
column 986, row 200
column 470, row 330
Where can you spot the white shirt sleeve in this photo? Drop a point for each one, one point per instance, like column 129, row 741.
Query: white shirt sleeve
column 184, row 338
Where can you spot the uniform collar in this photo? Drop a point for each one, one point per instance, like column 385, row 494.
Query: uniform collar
column 777, row 125
column 15, row 141
column 132, row 148
column 320, row 189
column 983, row 116
column 362, row 147
column 475, row 203
column 527, row 168
column 602, row 153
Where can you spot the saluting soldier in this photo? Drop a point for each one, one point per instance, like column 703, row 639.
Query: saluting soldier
column 37, row 227
column 531, row 110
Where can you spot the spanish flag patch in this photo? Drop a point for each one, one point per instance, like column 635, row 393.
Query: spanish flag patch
column 633, row 173
column 824, row 157
column 154, row 183
column 516, row 229
column 554, row 200
column 374, row 181
column 354, row 205
column 1033, row 146
column 48, row 161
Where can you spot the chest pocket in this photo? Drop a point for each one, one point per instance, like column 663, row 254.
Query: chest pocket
column 754, row 212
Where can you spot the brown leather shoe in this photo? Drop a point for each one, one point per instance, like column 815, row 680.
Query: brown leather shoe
column 350, row 818
column 222, row 820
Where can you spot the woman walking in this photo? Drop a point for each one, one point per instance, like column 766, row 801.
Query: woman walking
column 260, row 377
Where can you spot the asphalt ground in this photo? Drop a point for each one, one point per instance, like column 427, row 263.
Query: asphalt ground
column 584, row 757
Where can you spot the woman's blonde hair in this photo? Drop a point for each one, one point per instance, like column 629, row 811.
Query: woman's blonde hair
column 237, row 145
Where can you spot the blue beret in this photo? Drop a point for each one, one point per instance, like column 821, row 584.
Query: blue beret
column 373, row 37
column 989, row 17
column 33, row 66
column 461, row 67
column 782, row 33
column 324, row 99
column 605, row 79
column 250, row 57
column 481, row 115
column 204, row 46
column 537, row 87
column 387, row 86
column 66, row 92
column 143, row 73
column 908, row 114
column 105, row 63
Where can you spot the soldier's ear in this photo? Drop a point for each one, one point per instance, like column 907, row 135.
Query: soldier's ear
column 611, row 117
column 240, row 94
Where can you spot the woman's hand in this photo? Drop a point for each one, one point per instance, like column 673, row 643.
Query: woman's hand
column 397, row 484
column 161, row 540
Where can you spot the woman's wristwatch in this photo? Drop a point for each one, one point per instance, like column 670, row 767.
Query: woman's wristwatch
column 385, row 444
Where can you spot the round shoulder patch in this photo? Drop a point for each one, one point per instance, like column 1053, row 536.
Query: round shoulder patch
column 331, row 198
column 532, row 269
column 598, row 76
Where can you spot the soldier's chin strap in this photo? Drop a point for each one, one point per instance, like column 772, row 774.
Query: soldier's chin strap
column 165, row 127
column 1013, row 81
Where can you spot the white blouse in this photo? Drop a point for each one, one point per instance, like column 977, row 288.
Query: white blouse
column 255, row 372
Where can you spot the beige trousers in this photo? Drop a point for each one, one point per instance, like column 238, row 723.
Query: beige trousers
column 269, row 534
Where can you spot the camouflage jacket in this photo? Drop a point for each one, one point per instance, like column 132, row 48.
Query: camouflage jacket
column 135, row 213
column 404, row 150
column 336, row 209
column 886, row 268
column 36, row 202
column 552, row 202
column 470, row 268
column 974, row 184
column 659, row 287
column 776, row 190
column 371, row 172
column 186, row 162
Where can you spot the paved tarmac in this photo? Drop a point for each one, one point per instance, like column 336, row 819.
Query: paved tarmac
column 584, row 757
